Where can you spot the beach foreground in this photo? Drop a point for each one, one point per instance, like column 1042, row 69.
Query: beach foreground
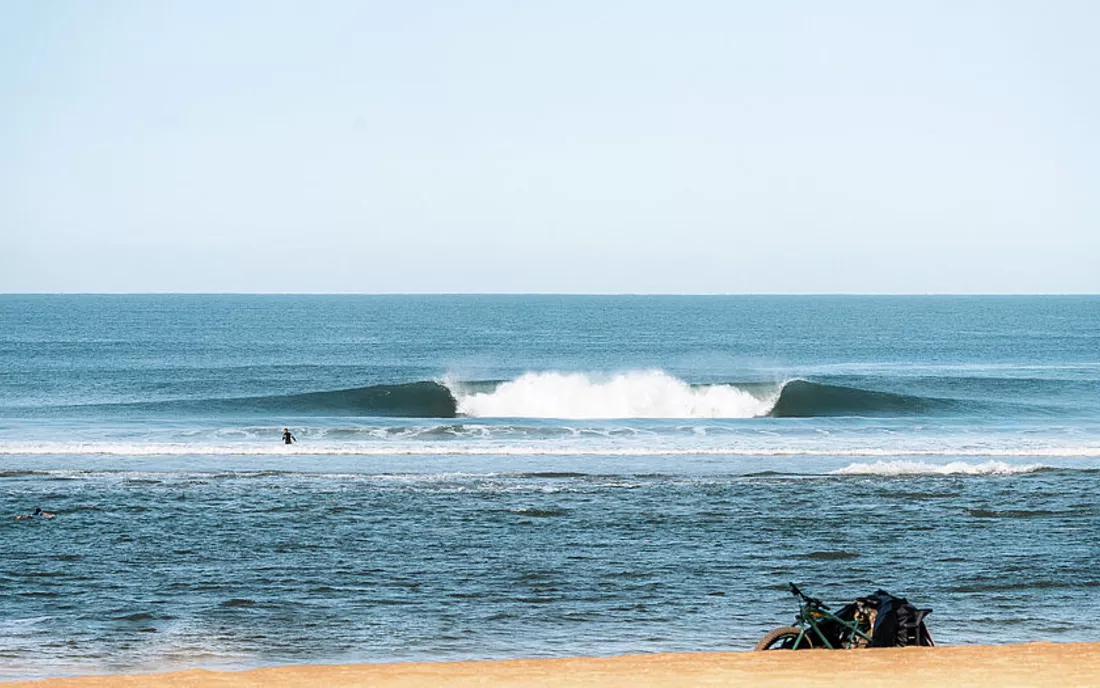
column 1032, row 664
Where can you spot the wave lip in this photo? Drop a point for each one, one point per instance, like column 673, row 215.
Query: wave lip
column 422, row 399
column 804, row 399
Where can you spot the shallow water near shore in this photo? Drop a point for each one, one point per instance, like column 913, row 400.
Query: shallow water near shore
column 496, row 477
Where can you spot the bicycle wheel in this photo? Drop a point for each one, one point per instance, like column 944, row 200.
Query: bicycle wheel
column 924, row 637
column 784, row 638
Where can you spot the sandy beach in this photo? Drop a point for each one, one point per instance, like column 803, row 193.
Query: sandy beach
column 1031, row 664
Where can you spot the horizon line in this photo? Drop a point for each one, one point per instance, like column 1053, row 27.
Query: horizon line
column 533, row 293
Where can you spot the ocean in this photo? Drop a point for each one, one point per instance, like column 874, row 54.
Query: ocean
column 533, row 476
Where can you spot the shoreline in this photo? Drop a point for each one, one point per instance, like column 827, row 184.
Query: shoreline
column 1029, row 664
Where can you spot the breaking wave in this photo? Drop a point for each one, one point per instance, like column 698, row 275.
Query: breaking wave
column 651, row 394
column 638, row 394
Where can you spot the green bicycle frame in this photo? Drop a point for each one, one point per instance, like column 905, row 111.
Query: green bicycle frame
column 810, row 614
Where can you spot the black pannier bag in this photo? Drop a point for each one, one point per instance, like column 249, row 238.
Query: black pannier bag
column 897, row 623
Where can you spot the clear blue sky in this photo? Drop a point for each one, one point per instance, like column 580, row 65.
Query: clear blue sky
column 689, row 147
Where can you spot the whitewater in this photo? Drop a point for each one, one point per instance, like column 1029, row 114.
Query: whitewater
column 634, row 394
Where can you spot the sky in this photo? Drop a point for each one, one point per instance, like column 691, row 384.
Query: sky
column 566, row 147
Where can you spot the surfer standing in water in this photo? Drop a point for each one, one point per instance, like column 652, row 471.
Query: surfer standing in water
column 287, row 437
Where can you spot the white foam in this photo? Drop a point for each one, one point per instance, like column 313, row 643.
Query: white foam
column 921, row 468
column 637, row 394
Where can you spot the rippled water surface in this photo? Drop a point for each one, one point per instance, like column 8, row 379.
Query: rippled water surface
column 534, row 476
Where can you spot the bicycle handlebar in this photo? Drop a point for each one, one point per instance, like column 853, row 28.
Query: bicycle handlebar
column 811, row 600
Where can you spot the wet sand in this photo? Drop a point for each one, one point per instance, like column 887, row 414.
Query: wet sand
column 1032, row 664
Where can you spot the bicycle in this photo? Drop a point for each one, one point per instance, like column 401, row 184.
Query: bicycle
column 817, row 627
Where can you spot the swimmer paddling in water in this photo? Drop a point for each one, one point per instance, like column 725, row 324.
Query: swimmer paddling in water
column 287, row 437
column 38, row 513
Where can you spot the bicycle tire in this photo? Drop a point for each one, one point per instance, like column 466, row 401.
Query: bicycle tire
column 783, row 638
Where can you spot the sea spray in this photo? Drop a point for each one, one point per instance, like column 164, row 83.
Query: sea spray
column 636, row 394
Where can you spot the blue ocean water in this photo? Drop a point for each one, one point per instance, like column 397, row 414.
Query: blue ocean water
column 513, row 476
